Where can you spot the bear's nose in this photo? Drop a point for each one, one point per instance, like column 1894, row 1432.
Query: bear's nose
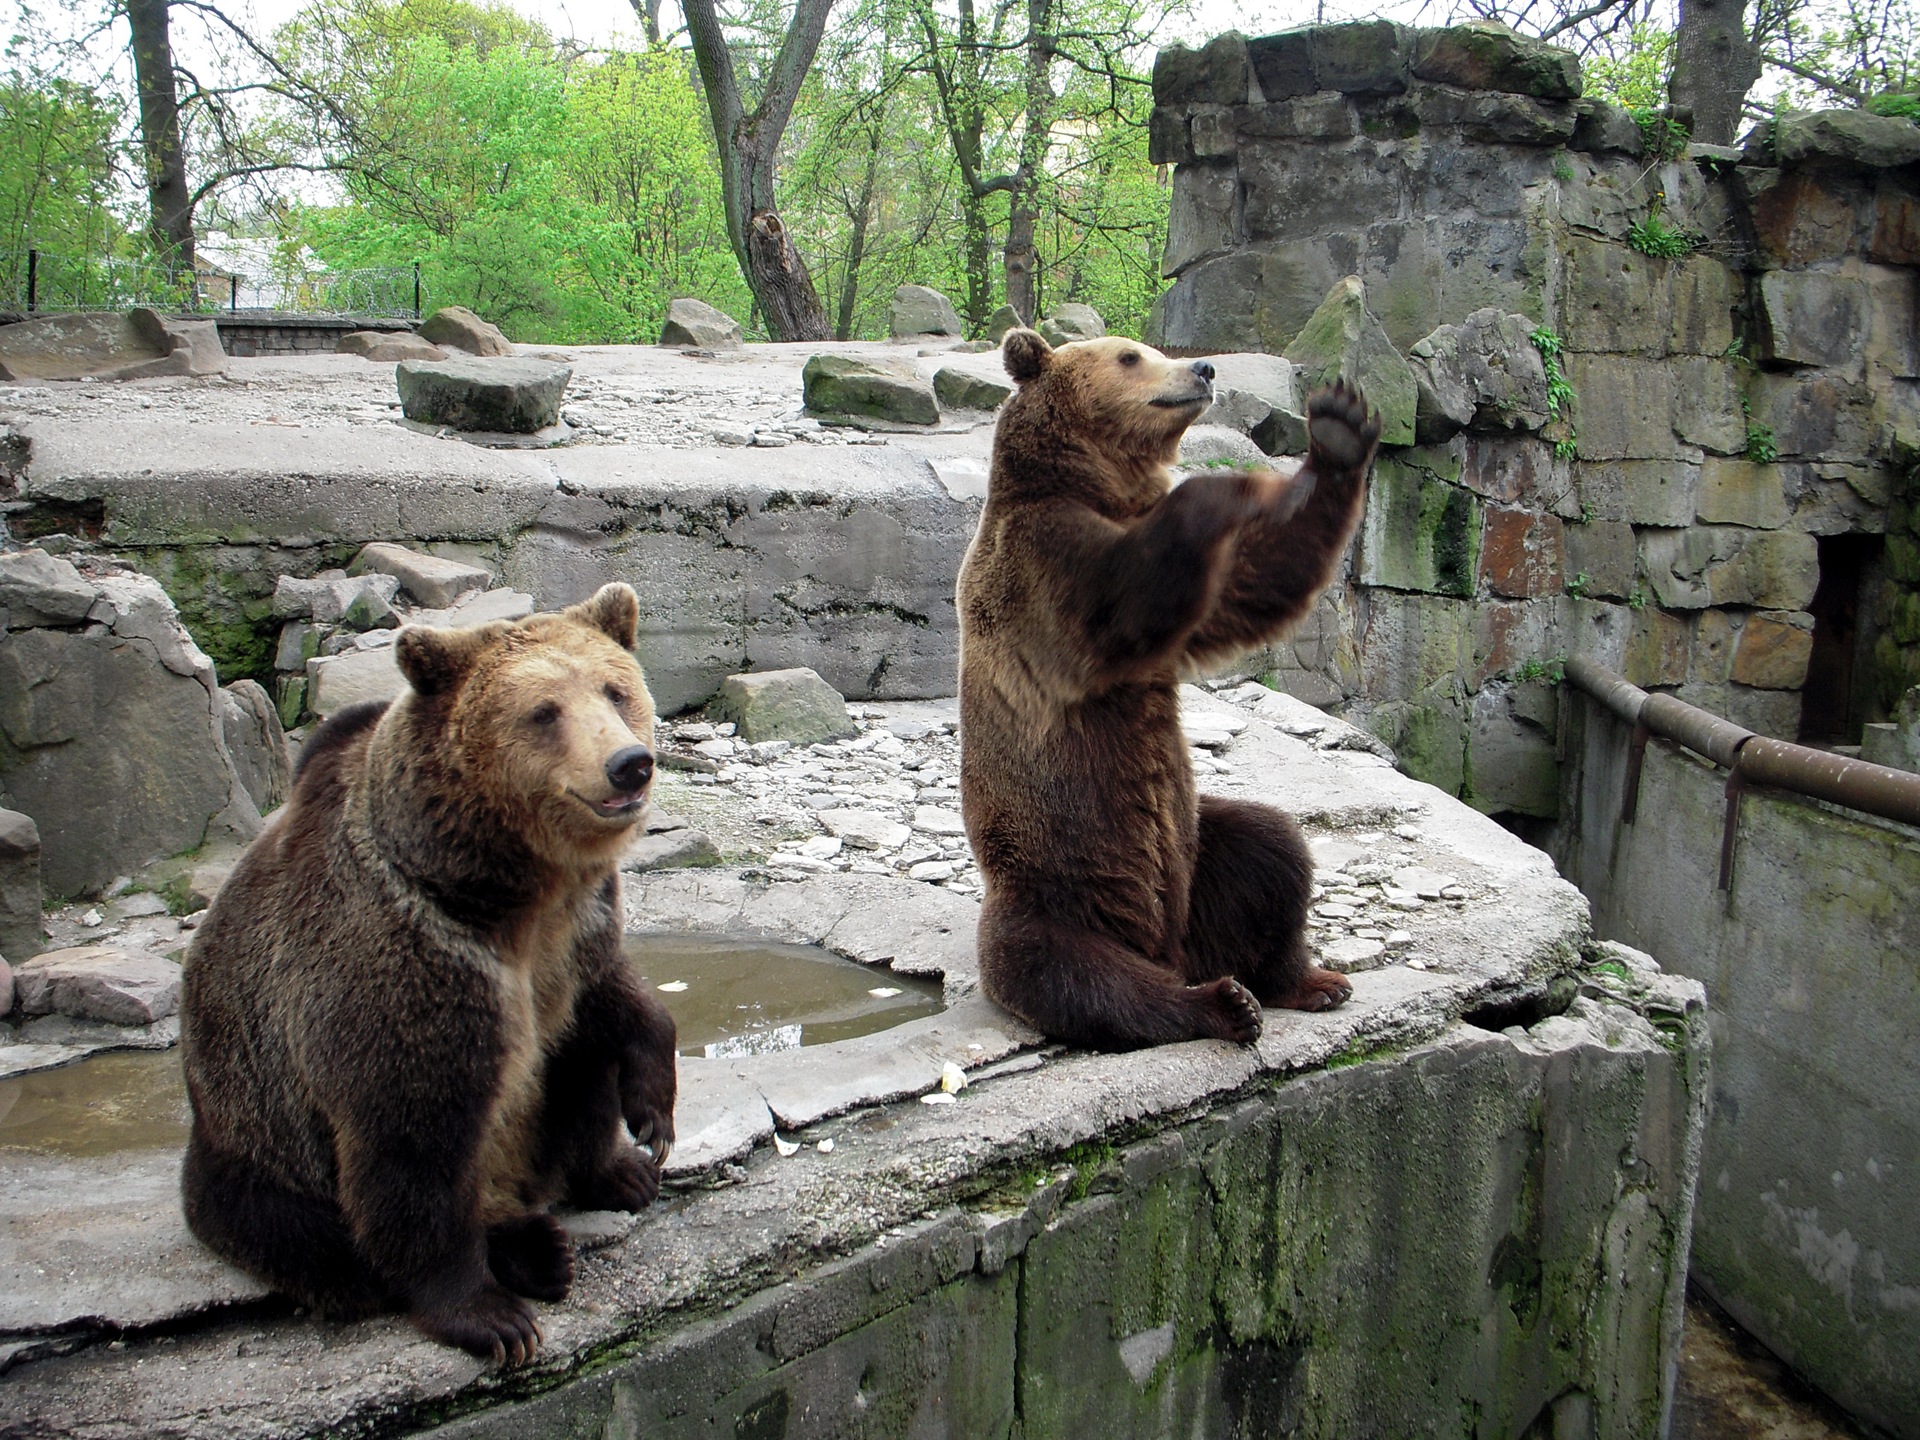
column 629, row 769
column 1204, row 369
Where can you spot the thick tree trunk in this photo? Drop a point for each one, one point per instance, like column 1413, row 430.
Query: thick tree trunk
column 169, row 201
column 1714, row 65
column 780, row 278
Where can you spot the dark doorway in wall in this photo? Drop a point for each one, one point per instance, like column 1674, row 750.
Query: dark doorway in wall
column 1832, row 705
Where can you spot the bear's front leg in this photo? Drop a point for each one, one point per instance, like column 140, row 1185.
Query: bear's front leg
column 617, row 1065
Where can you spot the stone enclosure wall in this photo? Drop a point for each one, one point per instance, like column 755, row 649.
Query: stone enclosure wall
column 1701, row 511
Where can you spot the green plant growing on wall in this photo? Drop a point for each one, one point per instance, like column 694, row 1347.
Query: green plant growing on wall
column 1898, row 106
column 1559, row 391
column 1761, row 447
column 1653, row 236
column 1578, row 586
column 1637, row 600
column 1562, row 167
column 1664, row 137
column 1552, row 671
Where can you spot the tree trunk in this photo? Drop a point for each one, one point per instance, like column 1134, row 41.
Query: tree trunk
column 857, row 243
column 169, row 201
column 748, row 142
column 1714, row 65
column 1021, row 255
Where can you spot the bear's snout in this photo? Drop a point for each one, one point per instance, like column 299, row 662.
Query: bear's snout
column 1204, row 369
column 629, row 769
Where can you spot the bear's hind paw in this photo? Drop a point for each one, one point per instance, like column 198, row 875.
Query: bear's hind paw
column 531, row 1256
column 1319, row 989
column 490, row 1323
column 1235, row 1012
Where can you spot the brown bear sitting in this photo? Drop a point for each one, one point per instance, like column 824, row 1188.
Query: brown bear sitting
column 408, row 1025
column 1121, row 909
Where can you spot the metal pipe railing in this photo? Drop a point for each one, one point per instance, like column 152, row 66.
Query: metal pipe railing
column 1749, row 759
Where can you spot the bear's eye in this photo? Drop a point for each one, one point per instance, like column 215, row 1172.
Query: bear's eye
column 617, row 696
column 1129, row 357
column 547, row 714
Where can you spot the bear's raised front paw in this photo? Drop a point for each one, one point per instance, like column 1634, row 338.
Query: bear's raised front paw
column 631, row 1181
column 1235, row 1012
column 1319, row 989
column 490, row 1322
column 1341, row 431
column 531, row 1256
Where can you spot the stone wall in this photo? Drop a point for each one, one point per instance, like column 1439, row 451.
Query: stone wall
column 1730, row 406
column 274, row 333
column 1804, row 1228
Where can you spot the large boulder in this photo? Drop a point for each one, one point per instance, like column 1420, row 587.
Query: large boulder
column 510, row 397
column 99, row 982
column 112, row 733
column 921, row 310
column 388, row 346
column 1485, row 56
column 1206, row 447
column 1001, row 321
column 1343, row 341
column 138, row 345
column 850, row 386
column 1482, row 374
column 699, row 325
column 794, row 705
column 429, row 579
column 1071, row 322
column 1850, row 139
column 258, row 744
column 958, row 389
column 454, row 327
column 20, row 933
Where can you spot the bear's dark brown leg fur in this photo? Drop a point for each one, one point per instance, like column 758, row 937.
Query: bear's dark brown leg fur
column 297, row 1244
column 532, row 1256
column 1076, row 985
column 1247, row 910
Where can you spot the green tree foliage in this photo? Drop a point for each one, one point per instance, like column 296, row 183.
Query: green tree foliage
column 57, row 167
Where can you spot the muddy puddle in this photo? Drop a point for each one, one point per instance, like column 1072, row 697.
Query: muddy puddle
column 727, row 996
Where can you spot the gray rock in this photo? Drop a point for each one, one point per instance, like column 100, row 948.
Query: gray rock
column 99, row 982
column 1601, row 127
column 429, row 579
column 141, row 344
column 6, row 988
column 494, row 605
column 299, row 642
column 1483, row 374
column 958, row 389
column 20, row 934
column 1851, row 138
column 388, row 347
column 1206, row 447
column 1071, row 322
column 327, row 599
column 370, row 611
column 1484, row 56
column 1364, row 57
column 504, row 396
column 1810, row 318
column 455, row 327
column 794, row 705
column 846, row 385
column 865, row 829
column 1001, row 321
column 337, row 681
column 672, row 850
column 1343, row 340
column 257, row 744
column 699, row 325
column 920, row 310
column 38, row 589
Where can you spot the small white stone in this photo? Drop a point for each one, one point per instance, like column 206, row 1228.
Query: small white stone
column 696, row 731
column 932, row 870
column 787, row 1148
column 884, row 992
column 938, row 1097
column 822, row 847
column 952, row 1078
column 725, row 728
column 937, row 820
column 672, row 987
column 1427, row 884
column 715, row 749
column 1399, row 939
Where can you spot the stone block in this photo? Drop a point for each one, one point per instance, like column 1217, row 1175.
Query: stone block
column 1322, row 118
column 1714, row 638
column 1483, row 56
column 1817, row 415
column 20, row 934
column 1169, row 140
column 428, row 579
column 1202, row 219
column 1803, row 217
column 1215, row 74
column 1773, row 651
column 1659, row 647
column 922, row 310
column 1363, row 57
column 388, row 347
column 1511, row 763
column 794, row 705
column 1283, row 65
column 958, row 389
column 1597, row 629
column 1301, row 192
column 1491, row 119
column 497, row 396
column 1072, row 321
column 1640, row 492
column 1812, row 318
column 1516, row 470
column 696, row 324
column 257, row 744
column 1522, row 553
column 1616, row 299
column 1602, row 128
column 41, row 589
column 1213, row 306
column 1483, row 373
column 1741, row 492
column 455, row 327
column 99, row 982
column 1704, row 293
column 1837, row 139
column 1707, row 404
column 846, row 385
column 326, row 599
column 1624, row 408
column 1418, row 533
column 1600, row 558
column 337, row 681
column 1509, row 634
column 1343, row 340
column 1893, row 322
column 1895, row 236
column 1413, row 643
column 1428, row 740
column 1770, row 569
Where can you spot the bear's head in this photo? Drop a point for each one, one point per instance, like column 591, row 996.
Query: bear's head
column 548, row 718
column 1125, row 401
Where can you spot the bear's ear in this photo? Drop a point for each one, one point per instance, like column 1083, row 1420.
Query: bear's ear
column 614, row 611
column 1025, row 354
column 436, row 660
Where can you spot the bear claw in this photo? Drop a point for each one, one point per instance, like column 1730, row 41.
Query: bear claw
column 490, row 1323
column 1319, row 989
column 1237, row 1011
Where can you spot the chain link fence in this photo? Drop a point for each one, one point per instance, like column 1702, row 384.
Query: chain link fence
column 37, row 282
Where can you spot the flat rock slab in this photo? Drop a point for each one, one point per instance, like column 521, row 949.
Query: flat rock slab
column 337, row 681
column 141, row 344
column 388, row 347
column 509, row 395
column 429, row 579
column 838, row 386
column 99, row 982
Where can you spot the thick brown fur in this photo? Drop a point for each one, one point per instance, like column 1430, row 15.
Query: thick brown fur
column 408, row 1026
column 1122, row 909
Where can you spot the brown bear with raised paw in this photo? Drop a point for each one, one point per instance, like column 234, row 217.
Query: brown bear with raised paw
column 408, row 1025
column 1122, row 909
